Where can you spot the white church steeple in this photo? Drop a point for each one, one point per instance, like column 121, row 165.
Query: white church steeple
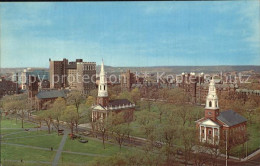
column 212, row 98
column 102, row 88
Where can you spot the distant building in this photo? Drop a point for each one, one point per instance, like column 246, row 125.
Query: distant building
column 47, row 96
column 214, row 126
column 77, row 75
column 39, row 97
column 42, row 74
column 104, row 107
column 197, row 86
column 8, row 87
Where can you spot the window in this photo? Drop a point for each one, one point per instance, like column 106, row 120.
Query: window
column 104, row 87
column 209, row 113
column 203, row 131
column 209, row 132
column 210, row 104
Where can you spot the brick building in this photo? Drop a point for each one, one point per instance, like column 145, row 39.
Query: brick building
column 214, row 126
column 8, row 87
column 197, row 86
column 76, row 75
column 104, row 107
column 128, row 79
column 39, row 97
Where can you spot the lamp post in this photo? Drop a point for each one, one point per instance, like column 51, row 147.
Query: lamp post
column 226, row 150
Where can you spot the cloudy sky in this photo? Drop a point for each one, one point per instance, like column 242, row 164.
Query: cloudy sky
column 131, row 33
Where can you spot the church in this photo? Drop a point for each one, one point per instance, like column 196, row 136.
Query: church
column 104, row 107
column 214, row 126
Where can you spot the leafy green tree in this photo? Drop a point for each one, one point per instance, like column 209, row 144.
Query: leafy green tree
column 120, row 132
column 46, row 116
column 75, row 98
column 70, row 117
column 135, row 95
column 57, row 110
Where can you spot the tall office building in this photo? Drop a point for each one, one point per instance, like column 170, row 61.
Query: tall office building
column 76, row 75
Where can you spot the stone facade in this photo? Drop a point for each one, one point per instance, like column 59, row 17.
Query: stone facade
column 78, row 75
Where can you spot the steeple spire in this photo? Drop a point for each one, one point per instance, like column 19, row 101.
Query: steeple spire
column 212, row 98
column 102, row 88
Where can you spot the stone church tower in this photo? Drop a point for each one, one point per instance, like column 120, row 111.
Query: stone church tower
column 102, row 98
column 212, row 109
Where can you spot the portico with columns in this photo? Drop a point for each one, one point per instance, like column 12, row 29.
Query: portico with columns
column 214, row 123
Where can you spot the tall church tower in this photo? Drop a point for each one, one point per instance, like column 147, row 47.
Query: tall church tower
column 102, row 98
column 212, row 109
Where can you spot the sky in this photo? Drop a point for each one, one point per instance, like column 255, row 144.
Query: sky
column 131, row 33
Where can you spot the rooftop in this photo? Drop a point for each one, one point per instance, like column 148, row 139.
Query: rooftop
column 231, row 118
column 51, row 94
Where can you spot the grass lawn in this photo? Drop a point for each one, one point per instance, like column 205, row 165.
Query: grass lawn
column 10, row 152
column 10, row 131
column 11, row 123
column 70, row 159
column 93, row 146
column 34, row 138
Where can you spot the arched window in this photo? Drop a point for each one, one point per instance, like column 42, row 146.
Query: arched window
column 210, row 104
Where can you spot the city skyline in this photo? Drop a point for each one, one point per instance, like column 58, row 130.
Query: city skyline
column 131, row 33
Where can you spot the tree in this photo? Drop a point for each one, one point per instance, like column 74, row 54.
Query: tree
column 162, row 108
column 16, row 105
column 88, row 113
column 102, row 126
column 135, row 95
column 187, row 135
column 22, row 106
column 90, row 101
column 57, row 110
column 120, row 132
column 183, row 112
column 70, row 116
column 46, row 116
column 76, row 99
column 145, row 119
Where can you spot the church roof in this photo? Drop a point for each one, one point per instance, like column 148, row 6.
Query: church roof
column 231, row 118
column 51, row 94
column 118, row 102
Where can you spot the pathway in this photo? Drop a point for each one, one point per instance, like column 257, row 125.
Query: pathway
column 58, row 154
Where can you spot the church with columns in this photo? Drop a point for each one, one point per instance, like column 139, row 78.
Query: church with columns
column 104, row 107
column 216, row 126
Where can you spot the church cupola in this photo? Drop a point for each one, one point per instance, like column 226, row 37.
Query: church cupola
column 212, row 109
column 102, row 98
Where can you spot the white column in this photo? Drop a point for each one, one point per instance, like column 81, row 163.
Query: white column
column 218, row 135
column 213, row 134
column 205, row 133
column 92, row 116
column 200, row 133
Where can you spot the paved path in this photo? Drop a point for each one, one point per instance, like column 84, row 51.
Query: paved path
column 58, row 154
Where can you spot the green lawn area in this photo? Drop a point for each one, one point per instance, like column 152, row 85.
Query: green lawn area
column 70, row 159
column 11, row 123
column 93, row 146
column 10, row 152
column 34, row 138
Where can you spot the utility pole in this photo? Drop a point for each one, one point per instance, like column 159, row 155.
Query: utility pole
column 226, row 150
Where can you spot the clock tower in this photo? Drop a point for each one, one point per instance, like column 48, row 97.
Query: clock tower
column 212, row 109
column 102, row 98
